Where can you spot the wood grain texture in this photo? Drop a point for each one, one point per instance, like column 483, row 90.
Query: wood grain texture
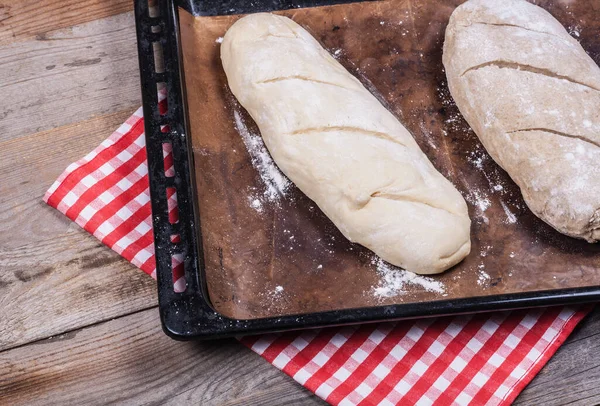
column 573, row 375
column 69, row 75
column 25, row 19
column 54, row 276
column 130, row 361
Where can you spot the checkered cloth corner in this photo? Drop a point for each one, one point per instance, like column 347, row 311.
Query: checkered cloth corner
column 484, row 359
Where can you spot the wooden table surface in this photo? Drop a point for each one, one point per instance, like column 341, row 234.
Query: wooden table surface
column 78, row 324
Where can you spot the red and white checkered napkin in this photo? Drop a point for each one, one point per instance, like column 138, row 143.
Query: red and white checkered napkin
column 482, row 359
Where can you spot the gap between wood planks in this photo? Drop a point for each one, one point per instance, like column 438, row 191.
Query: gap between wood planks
column 56, row 336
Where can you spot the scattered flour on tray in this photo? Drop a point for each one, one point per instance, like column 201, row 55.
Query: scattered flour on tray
column 510, row 217
column 256, row 204
column 427, row 135
column 276, row 184
column 483, row 278
column 393, row 280
column 485, row 250
column 478, row 199
column 482, row 202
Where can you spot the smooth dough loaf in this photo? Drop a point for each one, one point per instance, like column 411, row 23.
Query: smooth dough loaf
column 342, row 148
column 532, row 95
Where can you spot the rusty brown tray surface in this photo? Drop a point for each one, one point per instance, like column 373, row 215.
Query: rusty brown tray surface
column 279, row 255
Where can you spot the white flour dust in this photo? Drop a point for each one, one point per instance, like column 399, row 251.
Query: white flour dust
column 478, row 199
column 510, row 217
column 393, row 280
column 256, row 204
column 275, row 182
column 274, row 298
column 483, row 278
column 485, row 250
column 482, row 202
column 477, row 157
column 427, row 135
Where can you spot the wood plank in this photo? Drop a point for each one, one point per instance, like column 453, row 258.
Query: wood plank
column 26, row 19
column 69, row 75
column 131, row 361
column 284, row 393
column 54, row 276
column 573, row 375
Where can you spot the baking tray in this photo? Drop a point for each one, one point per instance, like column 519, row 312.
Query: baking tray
column 193, row 312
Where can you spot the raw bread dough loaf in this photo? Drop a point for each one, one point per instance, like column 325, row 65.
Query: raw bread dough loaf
column 342, row 148
column 532, row 95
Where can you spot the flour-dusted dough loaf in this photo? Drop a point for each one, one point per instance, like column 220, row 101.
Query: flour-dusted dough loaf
column 532, row 95
column 342, row 148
